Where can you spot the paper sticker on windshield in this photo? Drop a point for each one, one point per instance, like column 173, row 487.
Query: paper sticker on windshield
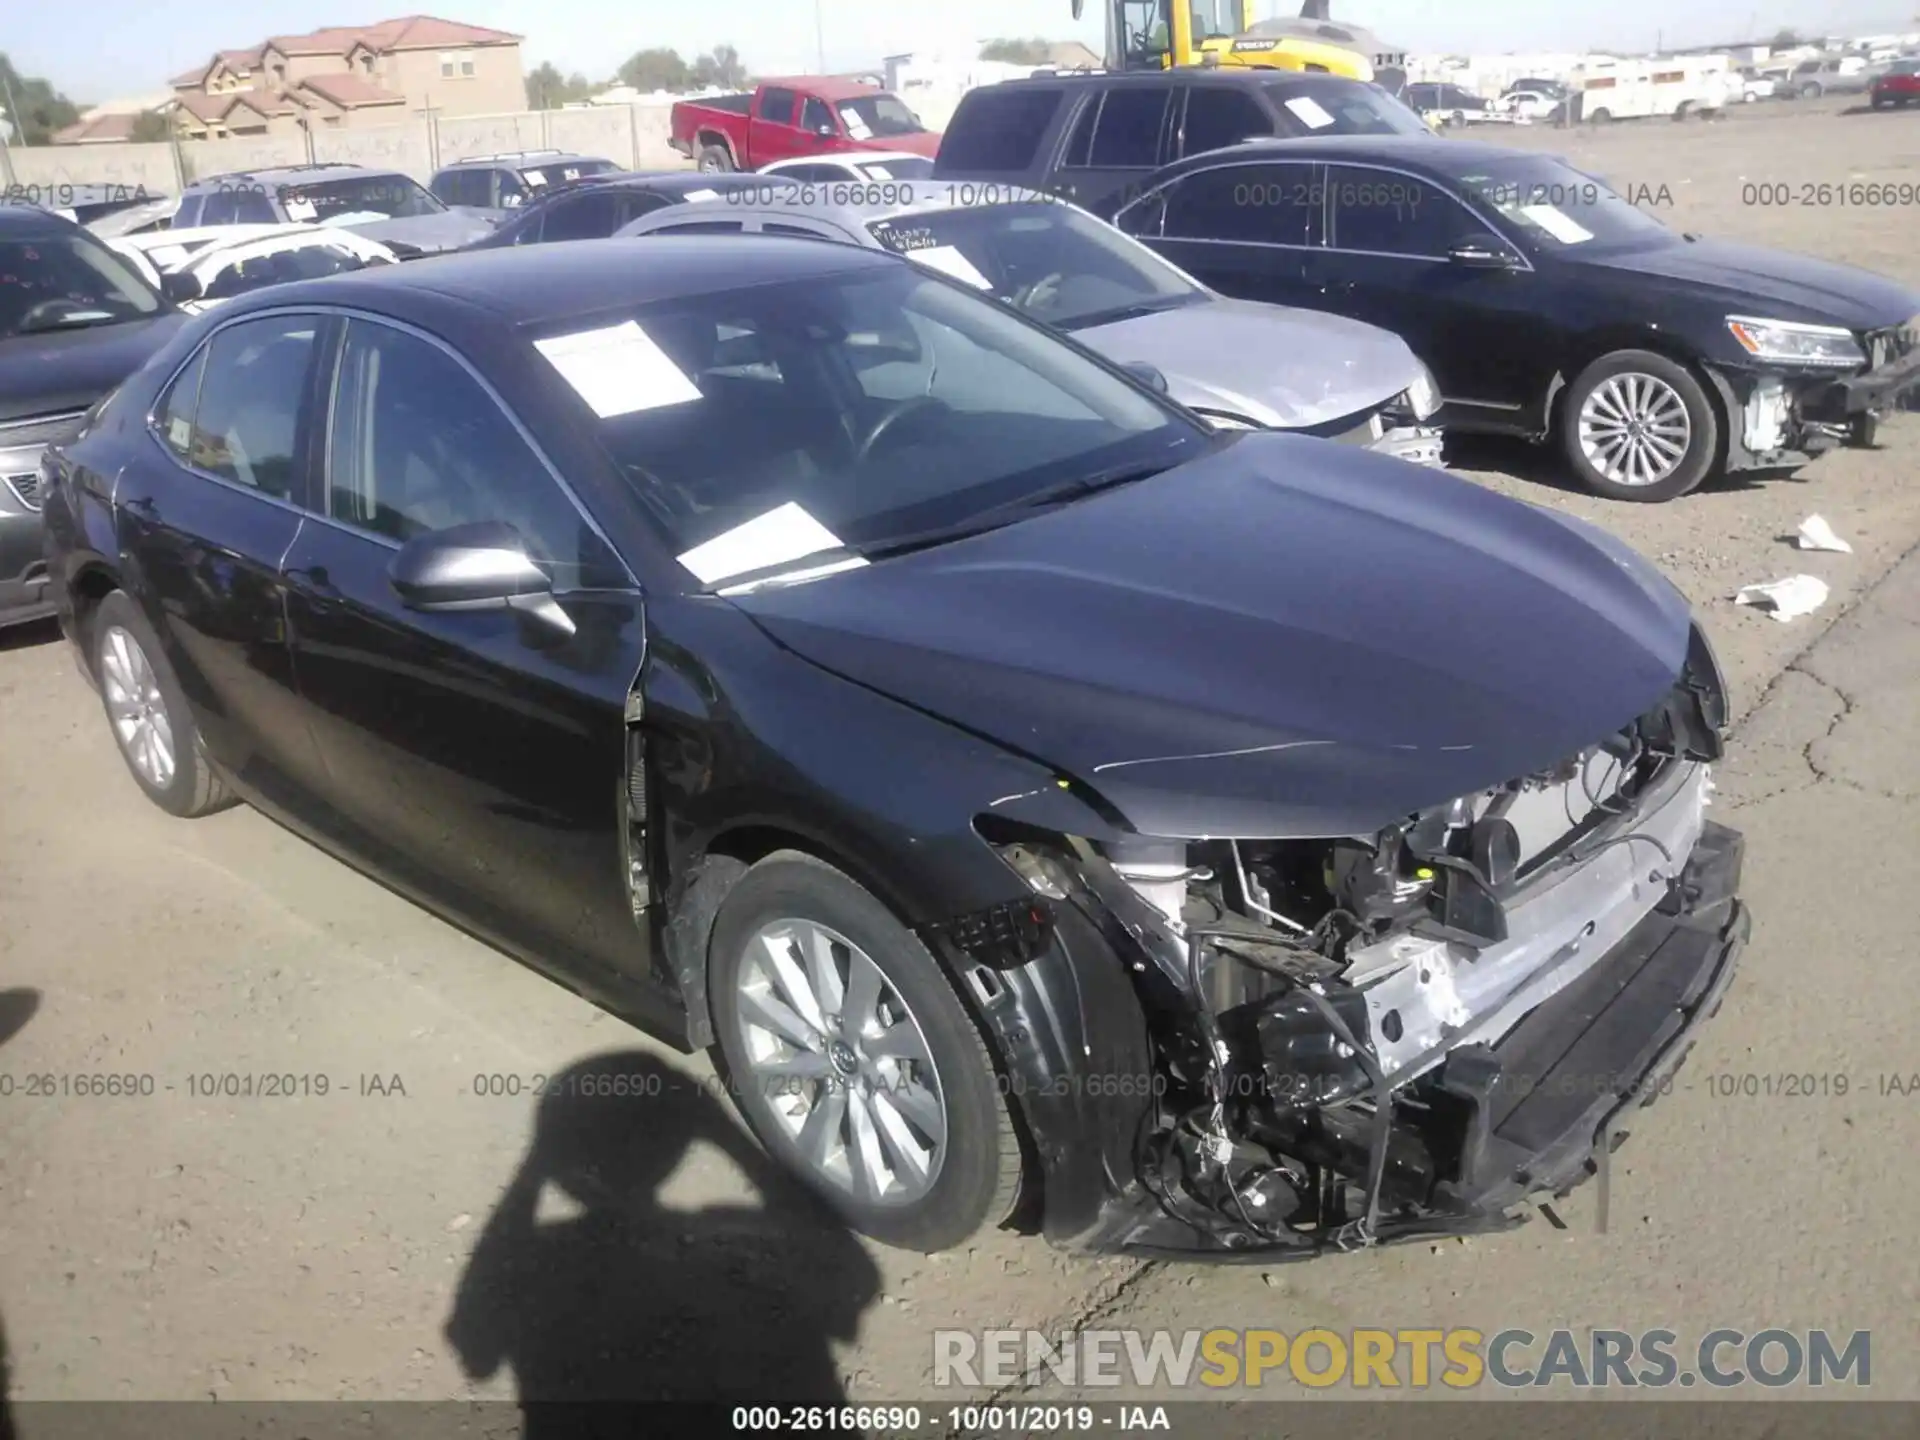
column 703, row 194
column 301, row 210
column 1557, row 223
column 856, row 127
column 618, row 370
column 949, row 261
column 535, row 178
column 165, row 255
column 1310, row 111
column 775, row 538
column 180, row 432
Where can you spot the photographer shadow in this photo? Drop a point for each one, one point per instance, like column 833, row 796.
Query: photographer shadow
column 17, row 1007
column 626, row 1300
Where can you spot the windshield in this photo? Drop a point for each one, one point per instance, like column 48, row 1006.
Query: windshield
column 1553, row 207
column 1347, row 109
column 1061, row 267
column 562, row 171
column 281, row 267
column 63, row 282
column 863, row 410
column 872, row 116
column 914, row 168
column 390, row 197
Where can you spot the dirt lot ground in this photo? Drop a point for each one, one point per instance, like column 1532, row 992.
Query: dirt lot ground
column 185, row 1245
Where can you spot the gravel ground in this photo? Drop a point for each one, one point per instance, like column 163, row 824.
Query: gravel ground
column 183, row 1245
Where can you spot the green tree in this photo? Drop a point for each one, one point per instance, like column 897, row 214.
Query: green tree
column 1784, row 39
column 655, row 70
column 1018, row 52
column 150, row 127
column 35, row 110
column 548, row 89
column 720, row 68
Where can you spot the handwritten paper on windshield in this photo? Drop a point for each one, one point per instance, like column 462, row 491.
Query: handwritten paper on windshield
column 301, row 210
column 857, row 127
column 1557, row 223
column 949, row 261
column 775, row 538
column 1310, row 111
column 618, row 370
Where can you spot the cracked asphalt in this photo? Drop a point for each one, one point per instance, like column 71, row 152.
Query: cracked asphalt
column 401, row 1236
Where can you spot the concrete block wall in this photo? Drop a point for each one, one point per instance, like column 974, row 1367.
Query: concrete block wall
column 633, row 136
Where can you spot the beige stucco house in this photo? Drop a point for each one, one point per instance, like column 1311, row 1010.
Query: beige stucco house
column 351, row 75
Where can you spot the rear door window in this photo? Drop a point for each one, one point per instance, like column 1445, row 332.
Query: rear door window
column 997, row 130
column 248, row 421
column 1221, row 115
column 583, row 217
column 1269, row 204
column 1127, row 134
column 777, row 106
column 1386, row 212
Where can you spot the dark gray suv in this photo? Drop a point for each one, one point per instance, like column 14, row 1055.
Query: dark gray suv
column 496, row 185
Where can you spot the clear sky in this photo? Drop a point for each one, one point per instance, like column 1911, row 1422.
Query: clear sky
column 128, row 47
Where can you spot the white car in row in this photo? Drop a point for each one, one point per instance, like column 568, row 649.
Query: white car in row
column 199, row 268
column 864, row 168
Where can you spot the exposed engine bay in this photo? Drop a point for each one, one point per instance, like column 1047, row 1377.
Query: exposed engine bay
column 1349, row 1031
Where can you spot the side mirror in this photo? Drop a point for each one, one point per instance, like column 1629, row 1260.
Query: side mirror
column 1483, row 254
column 825, row 132
column 180, row 286
column 480, row 566
column 1146, row 374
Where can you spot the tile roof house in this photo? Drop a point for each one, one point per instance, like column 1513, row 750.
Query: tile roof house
column 351, row 75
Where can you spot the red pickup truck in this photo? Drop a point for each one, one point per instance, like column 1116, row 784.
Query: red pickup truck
column 783, row 119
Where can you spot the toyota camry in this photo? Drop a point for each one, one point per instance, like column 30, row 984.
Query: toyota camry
column 1050, row 811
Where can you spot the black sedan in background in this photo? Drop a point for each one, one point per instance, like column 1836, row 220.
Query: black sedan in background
column 1549, row 306
column 597, row 206
column 75, row 320
column 806, row 656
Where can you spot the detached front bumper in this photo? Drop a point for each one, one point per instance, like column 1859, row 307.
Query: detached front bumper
column 1535, row 1113
column 1418, row 444
column 1892, row 386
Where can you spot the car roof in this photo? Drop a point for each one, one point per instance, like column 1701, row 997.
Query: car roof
column 856, row 212
column 20, row 220
column 533, row 284
column 1198, row 75
column 821, row 86
column 327, row 171
column 522, row 159
column 842, row 157
column 1430, row 152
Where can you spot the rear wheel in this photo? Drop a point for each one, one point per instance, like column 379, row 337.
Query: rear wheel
column 1812, row 90
column 1638, row 426
column 1601, row 116
column 716, row 159
column 854, row 1061
column 148, row 713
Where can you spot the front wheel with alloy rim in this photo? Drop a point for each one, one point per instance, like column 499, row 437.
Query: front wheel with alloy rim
column 148, row 712
column 853, row 1059
column 1638, row 426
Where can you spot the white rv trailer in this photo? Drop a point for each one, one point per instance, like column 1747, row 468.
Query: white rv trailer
column 1675, row 87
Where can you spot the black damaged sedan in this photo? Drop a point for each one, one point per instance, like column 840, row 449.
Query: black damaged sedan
column 1052, row 812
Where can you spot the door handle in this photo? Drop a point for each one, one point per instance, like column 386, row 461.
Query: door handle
column 315, row 579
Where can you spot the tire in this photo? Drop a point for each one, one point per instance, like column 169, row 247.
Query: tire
column 144, row 704
column 1668, row 401
column 1812, row 90
column 1864, row 432
column 1601, row 116
column 973, row 1173
column 716, row 160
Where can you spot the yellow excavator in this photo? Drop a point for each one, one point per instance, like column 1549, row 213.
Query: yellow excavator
column 1161, row 34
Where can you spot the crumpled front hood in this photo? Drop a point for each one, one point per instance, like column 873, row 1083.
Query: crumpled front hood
column 1284, row 638
column 429, row 234
column 1775, row 284
column 1272, row 364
